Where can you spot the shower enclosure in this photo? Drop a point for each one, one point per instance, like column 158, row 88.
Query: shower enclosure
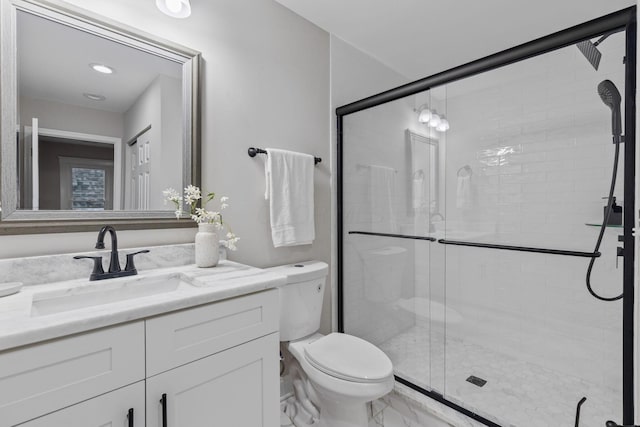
column 469, row 205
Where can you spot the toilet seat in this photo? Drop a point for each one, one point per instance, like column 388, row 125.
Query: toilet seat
column 349, row 358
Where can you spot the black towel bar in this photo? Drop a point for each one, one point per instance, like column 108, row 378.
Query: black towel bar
column 252, row 151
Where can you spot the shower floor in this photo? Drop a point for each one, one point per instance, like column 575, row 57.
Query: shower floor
column 517, row 393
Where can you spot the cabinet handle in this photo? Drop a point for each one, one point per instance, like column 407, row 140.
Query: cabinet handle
column 163, row 401
column 130, row 417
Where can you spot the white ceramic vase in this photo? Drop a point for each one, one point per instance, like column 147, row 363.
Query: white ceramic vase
column 207, row 243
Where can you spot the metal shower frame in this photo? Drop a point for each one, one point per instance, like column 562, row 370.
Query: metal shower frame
column 623, row 20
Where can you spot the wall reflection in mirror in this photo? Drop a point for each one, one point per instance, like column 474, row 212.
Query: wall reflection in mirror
column 100, row 123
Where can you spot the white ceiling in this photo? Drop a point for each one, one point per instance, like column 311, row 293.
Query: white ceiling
column 53, row 64
column 418, row 38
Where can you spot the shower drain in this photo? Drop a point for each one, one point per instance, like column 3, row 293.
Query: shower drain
column 476, row 381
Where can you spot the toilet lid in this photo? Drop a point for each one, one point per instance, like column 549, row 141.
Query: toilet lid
column 349, row 358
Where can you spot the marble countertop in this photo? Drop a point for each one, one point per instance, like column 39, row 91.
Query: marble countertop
column 19, row 327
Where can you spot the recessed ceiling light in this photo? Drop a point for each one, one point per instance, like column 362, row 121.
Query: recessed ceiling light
column 94, row 97
column 175, row 8
column 101, row 68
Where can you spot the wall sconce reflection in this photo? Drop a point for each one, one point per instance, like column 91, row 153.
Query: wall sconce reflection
column 432, row 118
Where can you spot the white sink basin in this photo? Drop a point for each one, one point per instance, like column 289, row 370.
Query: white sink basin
column 103, row 292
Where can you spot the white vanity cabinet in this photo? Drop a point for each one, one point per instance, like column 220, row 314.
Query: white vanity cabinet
column 214, row 363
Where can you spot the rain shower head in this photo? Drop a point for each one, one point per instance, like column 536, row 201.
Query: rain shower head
column 612, row 99
column 590, row 50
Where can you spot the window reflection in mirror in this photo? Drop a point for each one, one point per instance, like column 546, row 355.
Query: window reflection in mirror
column 100, row 123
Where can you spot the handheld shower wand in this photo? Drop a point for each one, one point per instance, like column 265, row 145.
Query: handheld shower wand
column 612, row 99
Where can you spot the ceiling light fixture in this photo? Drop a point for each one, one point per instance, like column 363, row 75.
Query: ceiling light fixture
column 101, row 68
column 175, row 8
column 94, row 97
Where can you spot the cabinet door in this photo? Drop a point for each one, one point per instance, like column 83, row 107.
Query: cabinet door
column 40, row 379
column 236, row 387
column 108, row 410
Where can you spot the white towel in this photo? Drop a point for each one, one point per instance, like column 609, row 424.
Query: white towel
column 381, row 197
column 289, row 180
column 463, row 192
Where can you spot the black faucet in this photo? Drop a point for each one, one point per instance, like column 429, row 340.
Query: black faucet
column 114, row 263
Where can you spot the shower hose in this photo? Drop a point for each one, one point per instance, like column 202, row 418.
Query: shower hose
column 604, row 226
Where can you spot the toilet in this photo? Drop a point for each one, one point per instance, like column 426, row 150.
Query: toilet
column 334, row 375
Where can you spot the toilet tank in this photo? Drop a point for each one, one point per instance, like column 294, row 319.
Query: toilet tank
column 383, row 271
column 301, row 298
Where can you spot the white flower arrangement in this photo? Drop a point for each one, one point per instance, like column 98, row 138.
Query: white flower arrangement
column 193, row 195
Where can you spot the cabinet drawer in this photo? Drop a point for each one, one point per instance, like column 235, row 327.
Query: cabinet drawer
column 110, row 409
column 181, row 337
column 43, row 378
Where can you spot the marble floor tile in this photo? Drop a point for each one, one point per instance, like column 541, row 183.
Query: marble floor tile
column 517, row 393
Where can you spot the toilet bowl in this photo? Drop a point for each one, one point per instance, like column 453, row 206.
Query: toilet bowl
column 334, row 375
column 346, row 372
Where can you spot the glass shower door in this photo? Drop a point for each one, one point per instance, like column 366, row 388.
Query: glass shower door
column 394, row 299
column 529, row 159
column 466, row 243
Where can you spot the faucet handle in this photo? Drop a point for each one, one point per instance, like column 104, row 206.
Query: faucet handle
column 97, row 265
column 130, row 266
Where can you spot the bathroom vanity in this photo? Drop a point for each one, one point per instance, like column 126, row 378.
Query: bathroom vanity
column 203, row 347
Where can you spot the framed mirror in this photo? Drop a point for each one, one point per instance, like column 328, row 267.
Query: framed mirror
column 423, row 179
column 98, row 118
